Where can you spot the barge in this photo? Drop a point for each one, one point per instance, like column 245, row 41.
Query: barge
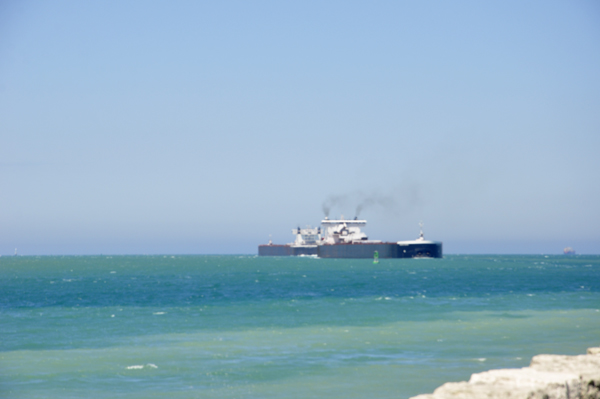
column 342, row 238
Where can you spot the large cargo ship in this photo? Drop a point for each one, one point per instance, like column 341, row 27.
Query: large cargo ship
column 342, row 238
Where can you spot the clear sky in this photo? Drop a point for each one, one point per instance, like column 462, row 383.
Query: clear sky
column 140, row 127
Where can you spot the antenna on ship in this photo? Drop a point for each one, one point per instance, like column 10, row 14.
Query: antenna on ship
column 421, row 225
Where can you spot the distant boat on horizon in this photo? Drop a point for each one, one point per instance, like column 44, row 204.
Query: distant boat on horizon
column 569, row 251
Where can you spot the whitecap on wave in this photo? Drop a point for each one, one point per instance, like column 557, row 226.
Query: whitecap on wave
column 141, row 366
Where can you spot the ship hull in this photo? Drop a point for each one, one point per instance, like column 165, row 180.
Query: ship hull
column 384, row 250
column 358, row 250
column 424, row 250
column 286, row 250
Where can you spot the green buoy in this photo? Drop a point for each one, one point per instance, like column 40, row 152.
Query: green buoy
column 376, row 257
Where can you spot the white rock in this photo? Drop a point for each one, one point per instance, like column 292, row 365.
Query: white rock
column 547, row 377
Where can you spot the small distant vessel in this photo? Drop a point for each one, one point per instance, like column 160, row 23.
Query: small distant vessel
column 569, row 251
column 341, row 238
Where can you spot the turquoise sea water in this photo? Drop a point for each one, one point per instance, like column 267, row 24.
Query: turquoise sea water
column 249, row 327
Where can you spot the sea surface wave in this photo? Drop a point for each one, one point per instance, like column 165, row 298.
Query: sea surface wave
column 253, row 327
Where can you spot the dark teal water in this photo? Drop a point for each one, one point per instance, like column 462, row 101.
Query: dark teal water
column 249, row 327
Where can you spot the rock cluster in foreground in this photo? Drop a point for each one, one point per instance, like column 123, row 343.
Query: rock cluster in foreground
column 547, row 377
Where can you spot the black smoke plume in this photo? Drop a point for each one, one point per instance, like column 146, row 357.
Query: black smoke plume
column 333, row 200
column 402, row 198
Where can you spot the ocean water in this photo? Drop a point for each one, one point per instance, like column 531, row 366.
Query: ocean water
column 250, row 327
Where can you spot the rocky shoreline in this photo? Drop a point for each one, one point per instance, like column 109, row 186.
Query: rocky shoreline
column 547, row 377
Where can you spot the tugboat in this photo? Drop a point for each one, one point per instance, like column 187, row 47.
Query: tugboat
column 343, row 238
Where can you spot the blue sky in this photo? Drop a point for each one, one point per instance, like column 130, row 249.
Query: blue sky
column 204, row 127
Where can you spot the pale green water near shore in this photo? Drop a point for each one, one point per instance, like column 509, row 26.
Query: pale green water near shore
column 248, row 327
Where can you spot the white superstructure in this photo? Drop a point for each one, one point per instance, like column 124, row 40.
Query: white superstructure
column 307, row 237
column 420, row 240
column 344, row 231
